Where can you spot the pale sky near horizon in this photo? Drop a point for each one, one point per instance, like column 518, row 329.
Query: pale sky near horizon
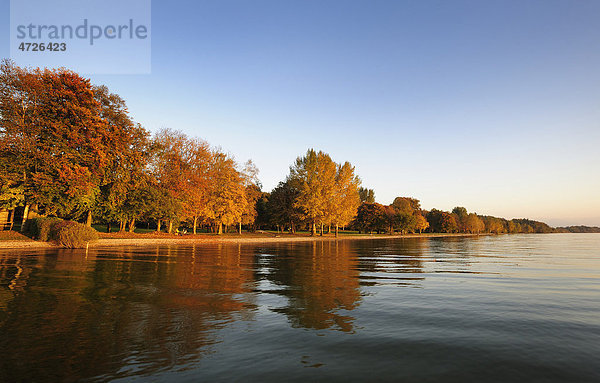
column 490, row 105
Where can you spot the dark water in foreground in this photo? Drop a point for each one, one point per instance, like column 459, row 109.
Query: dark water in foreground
column 501, row 309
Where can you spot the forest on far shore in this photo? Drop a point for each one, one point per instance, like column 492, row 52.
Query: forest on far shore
column 69, row 149
column 578, row 229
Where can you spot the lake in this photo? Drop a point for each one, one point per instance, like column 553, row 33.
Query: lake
column 489, row 308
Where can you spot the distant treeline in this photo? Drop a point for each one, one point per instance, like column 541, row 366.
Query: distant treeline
column 69, row 149
column 578, row 229
column 404, row 215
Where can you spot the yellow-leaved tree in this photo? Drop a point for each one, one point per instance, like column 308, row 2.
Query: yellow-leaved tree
column 227, row 201
column 346, row 197
column 252, row 190
column 197, row 156
column 314, row 177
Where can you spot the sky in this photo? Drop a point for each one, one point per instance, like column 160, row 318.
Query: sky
column 490, row 105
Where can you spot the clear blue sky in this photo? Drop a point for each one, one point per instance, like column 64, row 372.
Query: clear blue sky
column 491, row 105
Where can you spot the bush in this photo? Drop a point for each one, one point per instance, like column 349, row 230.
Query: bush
column 39, row 228
column 72, row 234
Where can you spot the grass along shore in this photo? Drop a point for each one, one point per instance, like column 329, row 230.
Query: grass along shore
column 14, row 240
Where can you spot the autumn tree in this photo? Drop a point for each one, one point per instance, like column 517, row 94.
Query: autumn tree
column 206, row 182
column 513, row 227
column 252, row 192
column 64, row 146
column 345, row 199
column 472, row 224
column 448, row 223
column 171, row 170
column 392, row 218
column 314, row 177
column 227, row 199
column 366, row 195
column 531, row 226
column 494, row 225
column 18, row 105
column 198, row 191
column 421, row 223
column 11, row 197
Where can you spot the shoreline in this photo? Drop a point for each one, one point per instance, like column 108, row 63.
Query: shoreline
column 210, row 240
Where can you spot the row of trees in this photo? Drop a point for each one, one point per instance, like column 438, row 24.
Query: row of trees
column 70, row 149
column 405, row 215
column 294, row 204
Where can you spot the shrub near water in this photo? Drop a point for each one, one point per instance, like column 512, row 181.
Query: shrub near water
column 40, row 227
column 72, row 234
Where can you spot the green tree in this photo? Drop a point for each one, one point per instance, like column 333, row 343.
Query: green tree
column 282, row 209
column 129, row 158
column 366, row 195
column 441, row 221
column 460, row 215
column 406, row 210
column 371, row 217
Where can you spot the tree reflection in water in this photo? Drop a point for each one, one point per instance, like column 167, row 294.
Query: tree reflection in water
column 108, row 313
column 118, row 312
column 320, row 280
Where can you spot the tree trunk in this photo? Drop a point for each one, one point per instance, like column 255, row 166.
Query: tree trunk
column 12, row 219
column 321, row 234
column 240, row 228
column 121, row 226
column 132, row 225
column 220, row 228
column 88, row 220
column 313, row 229
column 25, row 217
column 158, row 226
column 170, row 226
column 195, row 223
column 108, row 227
column 336, row 230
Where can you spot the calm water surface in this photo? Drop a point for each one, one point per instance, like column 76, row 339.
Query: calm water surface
column 499, row 309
